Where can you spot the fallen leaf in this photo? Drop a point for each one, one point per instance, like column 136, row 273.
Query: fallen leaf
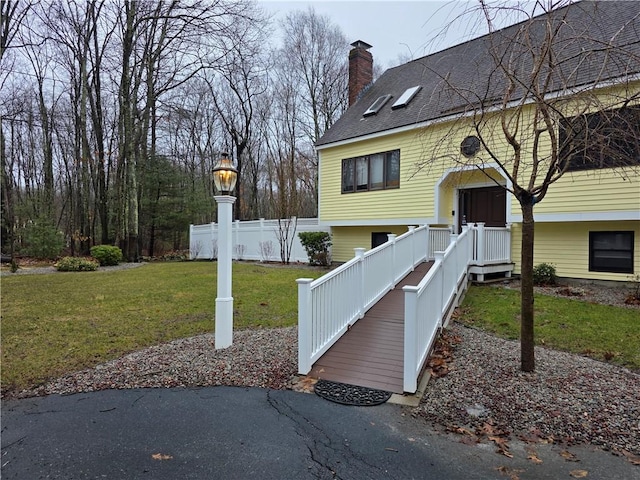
column 503, row 447
column 436, row 361
column 568, row 456
column 534, row 458
column 512, row 473
column 631, row 458
column 505, row 452
column 459, row 430
column 469, row 440
column 306, row 384
column 490, row 429
column 578, row 473
column 161, row 456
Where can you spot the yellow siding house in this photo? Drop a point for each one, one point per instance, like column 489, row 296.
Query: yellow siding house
column 408, row 151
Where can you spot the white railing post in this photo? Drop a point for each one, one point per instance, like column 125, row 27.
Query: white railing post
column 412, row 229
column 509, row 246
column 410, row 381
column 428, row 245
column 453, row 238
column 360, row 286
column 469, row 254
column 439, row 258
column 480, row 252
column 392, row 240
column 305, row 322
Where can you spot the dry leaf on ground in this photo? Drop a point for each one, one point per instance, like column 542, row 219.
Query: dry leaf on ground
column 503, row 446
column 631, row 458
column 534, row 458
column 578, row 473
column 161, row 456
column 512, row 473
column 568, row 456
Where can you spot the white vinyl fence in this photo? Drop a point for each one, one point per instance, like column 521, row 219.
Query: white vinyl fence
column 254, row 240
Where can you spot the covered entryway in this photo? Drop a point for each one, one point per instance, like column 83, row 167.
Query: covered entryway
column 483, row 204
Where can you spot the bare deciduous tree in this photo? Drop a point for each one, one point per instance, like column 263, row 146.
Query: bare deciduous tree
column 547, row 96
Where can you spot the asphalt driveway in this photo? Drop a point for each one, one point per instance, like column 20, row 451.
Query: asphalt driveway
column 247, row 433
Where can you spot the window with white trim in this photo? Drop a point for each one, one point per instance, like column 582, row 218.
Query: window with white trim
column 379, row 171
column 611, row 252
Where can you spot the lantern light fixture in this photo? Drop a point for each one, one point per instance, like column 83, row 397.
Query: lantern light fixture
column 225, row 176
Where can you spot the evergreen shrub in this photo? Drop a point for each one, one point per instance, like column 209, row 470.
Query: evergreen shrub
column 42, row 239
column 317, row 246
column 107, row 255
column 544, row 274
column 76, row 264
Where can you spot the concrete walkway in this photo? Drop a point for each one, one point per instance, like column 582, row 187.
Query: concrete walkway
column 247, row 433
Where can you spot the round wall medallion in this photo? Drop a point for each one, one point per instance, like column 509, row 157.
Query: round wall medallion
column 470, row 146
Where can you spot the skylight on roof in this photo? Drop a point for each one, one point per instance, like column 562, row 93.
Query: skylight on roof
column 377, row 105
column 406, row 97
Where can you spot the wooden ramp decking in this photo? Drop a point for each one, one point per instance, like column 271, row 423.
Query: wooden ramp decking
column 371, row 353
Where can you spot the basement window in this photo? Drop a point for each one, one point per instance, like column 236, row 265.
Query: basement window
column 406, row 97
column 611, row 252
column 377, row 105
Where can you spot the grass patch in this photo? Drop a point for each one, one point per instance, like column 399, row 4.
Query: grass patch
column 599, row 331
column 62, row 322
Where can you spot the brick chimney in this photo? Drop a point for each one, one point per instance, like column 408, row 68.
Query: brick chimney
column 360, row 69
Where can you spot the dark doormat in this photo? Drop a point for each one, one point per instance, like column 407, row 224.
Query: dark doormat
column 350, row 394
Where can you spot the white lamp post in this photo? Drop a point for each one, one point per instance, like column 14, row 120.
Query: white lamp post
column 224, row 179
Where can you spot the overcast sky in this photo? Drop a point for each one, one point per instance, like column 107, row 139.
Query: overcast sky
column 394, row 28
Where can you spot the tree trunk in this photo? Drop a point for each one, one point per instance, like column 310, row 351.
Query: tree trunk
column 527, row 358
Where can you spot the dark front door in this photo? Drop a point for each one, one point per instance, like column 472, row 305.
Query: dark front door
column 486, row 204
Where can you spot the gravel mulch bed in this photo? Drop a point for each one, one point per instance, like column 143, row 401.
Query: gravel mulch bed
column 43, row 270
column 258, row 358
column 570, row 398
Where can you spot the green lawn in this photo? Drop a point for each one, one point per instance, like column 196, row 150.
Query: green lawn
column 599, row 331
column 61, row 322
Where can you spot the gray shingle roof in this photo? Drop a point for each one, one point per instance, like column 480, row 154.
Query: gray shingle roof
column 454, row 78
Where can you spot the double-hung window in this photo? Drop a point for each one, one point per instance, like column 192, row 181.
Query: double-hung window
column 379, row 171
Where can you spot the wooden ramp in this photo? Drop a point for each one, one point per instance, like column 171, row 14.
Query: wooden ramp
column 371, row 353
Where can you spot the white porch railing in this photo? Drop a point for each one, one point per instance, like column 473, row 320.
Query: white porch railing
column 428, row 305
column 491, row 245
column 328, row 305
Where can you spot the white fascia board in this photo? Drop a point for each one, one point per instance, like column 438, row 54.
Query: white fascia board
column 377, row 222
column 622, row 215
column 460, row 116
